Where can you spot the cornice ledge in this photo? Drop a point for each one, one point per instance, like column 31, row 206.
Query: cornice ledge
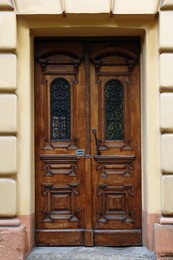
column 166, row 220
column 166, row 5
column 6, row 5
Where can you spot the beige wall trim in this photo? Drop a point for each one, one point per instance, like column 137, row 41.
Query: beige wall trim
column 6, row 5
column 8, row 198
column 87, row 7
column 166, row 194
column 163, row 230
column 8, row 72
column 12, row 222
column 166, row 150
column 29, row 222
column 148, row 221
column 166, row 220
column 166, row 5
column 7, row 31
column 166, row 31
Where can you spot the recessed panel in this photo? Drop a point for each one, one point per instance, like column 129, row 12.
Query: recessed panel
column 115, row 202
column 60, row 202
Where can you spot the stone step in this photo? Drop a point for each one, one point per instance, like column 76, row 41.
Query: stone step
column 91, row 253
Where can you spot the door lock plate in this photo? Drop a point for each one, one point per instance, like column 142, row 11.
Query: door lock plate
column 80, row 152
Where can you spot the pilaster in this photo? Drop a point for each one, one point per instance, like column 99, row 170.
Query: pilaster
column 163, row 230
column 11, row 230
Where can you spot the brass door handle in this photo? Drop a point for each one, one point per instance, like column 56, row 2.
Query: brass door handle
column 94, row 131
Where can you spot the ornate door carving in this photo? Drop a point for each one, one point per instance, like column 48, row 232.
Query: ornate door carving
column 87, row 142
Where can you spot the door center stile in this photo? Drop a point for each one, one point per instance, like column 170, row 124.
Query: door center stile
column 88, row 158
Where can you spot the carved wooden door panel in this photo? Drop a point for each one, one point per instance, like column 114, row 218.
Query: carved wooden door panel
column 116, row 128
column 87, row 142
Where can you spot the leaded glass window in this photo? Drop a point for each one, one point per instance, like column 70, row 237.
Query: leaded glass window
column 59, row 109
column 113, row 110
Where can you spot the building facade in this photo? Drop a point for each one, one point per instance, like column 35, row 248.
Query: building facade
column 36, row 40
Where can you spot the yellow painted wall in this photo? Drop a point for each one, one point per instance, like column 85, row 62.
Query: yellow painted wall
column 89, row 25
column 20, row 22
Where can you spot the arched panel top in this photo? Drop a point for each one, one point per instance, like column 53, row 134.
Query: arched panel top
column 114, row 51
column 48, row 53
column 52, row 59
column 57, row 82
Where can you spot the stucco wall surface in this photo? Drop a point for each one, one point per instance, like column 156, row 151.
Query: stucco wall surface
column 20, row 22
column 12, row 233
column 8, row 110
column 149, row 88
column 163, row 229
column 89, row 6
column 166, row 101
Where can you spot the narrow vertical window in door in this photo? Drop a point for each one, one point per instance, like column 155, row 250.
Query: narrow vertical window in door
column 114, row 110
column 60, row 109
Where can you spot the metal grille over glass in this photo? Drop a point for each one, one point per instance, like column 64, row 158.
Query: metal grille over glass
column 59, row 109
column 113, row 110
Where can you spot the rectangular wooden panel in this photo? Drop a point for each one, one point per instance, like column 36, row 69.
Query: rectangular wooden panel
column 118, row 237
column 60, row 237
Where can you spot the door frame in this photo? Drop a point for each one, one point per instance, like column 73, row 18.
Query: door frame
column 27, row 29
column 128, row 46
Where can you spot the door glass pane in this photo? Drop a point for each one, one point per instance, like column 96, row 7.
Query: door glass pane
column 60, row 109
column 113, row 110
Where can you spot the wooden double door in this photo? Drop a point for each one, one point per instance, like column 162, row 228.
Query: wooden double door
column 87, row 142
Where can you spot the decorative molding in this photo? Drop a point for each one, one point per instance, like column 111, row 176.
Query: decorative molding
column 88, row 7
column 12, row 222
column 119, row 57
column 72, row 58
column 125, row 170
column 114, row 165
column 44, row 63
column 78, row 6
column 113, row 203
column 114, row 158
column 125, row 145
column 62, row 158
column 54, row 164
column 123, row 57
column 51, row 64
column 165, row 220
column 61, row 202
column 48, row 52
column 122, row 52
column 68, row 145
